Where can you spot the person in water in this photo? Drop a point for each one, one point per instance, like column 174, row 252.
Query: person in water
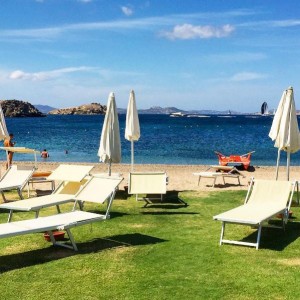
column 8, row 142
column 44, row 153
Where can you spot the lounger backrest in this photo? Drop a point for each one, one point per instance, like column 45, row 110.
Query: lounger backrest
column 16, row 176
column 70, row 187
column 98, row 189
column 147, row 183
column 70, row 172
column 272, row 192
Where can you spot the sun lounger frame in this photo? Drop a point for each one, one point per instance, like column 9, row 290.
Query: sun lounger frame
column 220, row 172
column 149, row 183
column 59, row 196
column 66, row 221
column 19, row 187
column 284, row 217
column 37, row 203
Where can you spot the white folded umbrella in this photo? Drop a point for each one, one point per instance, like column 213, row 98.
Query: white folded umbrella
column 132, row 130
column 110, row 144
column 285, row 130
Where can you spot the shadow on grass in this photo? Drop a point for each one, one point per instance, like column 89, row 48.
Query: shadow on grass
column 276, row 238
column 40, row 256
column 170, row 201
column 113, row 215
column 168, row 213
column 226, row 185
column 121, row 195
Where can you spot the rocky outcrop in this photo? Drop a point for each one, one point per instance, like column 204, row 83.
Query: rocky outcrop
column 86, row 109
column 17, row 108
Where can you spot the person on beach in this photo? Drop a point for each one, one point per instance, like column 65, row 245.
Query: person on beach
column 44, row 153
column 8, row 142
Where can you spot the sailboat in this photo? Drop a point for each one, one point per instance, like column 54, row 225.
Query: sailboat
column 264, row 109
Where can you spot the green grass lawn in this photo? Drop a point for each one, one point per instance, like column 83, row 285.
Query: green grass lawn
column 164, row 251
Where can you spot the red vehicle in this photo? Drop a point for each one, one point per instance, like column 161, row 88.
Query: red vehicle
column 242, row 159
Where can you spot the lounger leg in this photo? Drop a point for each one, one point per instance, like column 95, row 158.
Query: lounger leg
column 51, row 237
column 20, row 194
column 215, row 178
column 258, row 236
column 223, row 179
column 199, row 180
column 58, row 209
column 72, row 239
column 297, row 183
column 37, row 214
column 239, row 180
column 53, row 185
column 10, row 216
column 80, row 205
column 3, row 196
column 55, row 243
column 222, row 232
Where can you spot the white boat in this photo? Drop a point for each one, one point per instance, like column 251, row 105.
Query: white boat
column 177, row 114
column 198, row 116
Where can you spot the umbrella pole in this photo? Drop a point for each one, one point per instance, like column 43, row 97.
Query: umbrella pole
column 109, row 168
column 132, row 155
column 277, row 166
column 288, row 159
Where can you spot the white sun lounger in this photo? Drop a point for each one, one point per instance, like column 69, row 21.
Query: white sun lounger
column 265, row 199
column 71, row 177
column 15, row 178
column 220, row 172
column 149, row 183
column 97, row 190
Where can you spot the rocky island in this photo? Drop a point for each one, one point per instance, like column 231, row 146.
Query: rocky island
column 86, row 109
column 19, row 109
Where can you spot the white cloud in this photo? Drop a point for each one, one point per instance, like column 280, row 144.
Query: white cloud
column 188, row 31
column 84, row 1
column 149, row 23
column 246, row 76
column 45, row 75
column 127, row 10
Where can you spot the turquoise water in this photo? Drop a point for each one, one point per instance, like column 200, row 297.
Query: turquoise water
column 164, row 140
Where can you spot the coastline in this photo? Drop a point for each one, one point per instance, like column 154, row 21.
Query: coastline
column 181, row 177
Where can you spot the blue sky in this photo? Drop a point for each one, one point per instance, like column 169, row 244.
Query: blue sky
column 191, row 54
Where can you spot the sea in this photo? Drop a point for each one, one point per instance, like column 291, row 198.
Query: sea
column 164, row 139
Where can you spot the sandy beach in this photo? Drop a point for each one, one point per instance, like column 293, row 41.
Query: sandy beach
column 181, row 177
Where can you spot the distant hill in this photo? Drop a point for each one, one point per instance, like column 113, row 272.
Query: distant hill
column 159, row 110
column 86, row 109
column 18, row 109
column 44, row 108
column 169, row 110
column 155, row 110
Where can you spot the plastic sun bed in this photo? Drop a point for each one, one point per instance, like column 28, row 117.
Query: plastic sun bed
column 265, row 199
column 97, row 190
column 150, row 183
column 71, row 177
column 242, row 159
column 15, row 178
column 220, row 172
